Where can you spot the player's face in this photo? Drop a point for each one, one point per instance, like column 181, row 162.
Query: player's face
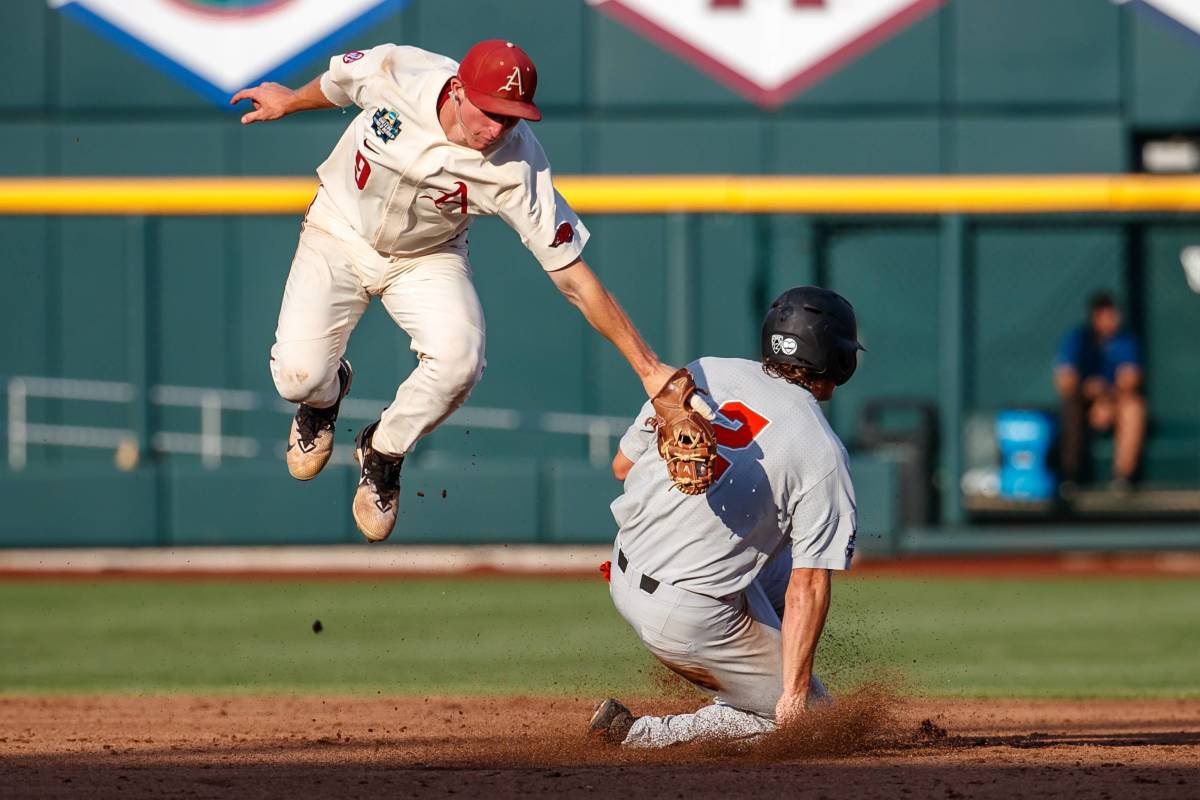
column 1106, row 322
column 480, row 128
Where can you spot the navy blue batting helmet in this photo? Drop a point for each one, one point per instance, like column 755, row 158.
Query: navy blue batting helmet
column 814, row 328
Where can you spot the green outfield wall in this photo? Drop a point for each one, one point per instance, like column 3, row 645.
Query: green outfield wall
column 981, row 86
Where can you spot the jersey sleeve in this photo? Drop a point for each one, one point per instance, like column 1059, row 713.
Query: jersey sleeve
column 825, row 523
column 639, row 435
column 344, row 83
column 547, row 225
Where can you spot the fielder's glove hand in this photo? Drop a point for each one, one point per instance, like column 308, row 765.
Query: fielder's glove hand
column 686, row 440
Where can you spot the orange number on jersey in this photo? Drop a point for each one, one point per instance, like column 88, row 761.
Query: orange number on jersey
column 751, row 424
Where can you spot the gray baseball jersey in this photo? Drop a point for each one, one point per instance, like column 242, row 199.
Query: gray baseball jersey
column 782, row 480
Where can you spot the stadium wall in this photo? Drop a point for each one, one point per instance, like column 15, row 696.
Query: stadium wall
column 1023, row 86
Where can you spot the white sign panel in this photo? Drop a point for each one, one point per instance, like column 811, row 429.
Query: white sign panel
column 220, row 46
column 769, row 50
column 1179, row 12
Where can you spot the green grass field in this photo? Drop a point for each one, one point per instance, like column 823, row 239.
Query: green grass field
column 955, row 637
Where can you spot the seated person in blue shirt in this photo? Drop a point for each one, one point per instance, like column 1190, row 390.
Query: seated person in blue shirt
column 1098, row 375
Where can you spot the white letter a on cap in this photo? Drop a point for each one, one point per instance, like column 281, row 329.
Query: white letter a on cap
column 514, row 80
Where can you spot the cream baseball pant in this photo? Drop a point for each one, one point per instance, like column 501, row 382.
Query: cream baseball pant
column 728, row 647
column 334, row 275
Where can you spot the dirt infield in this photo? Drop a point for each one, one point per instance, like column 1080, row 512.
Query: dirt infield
column 871, row 746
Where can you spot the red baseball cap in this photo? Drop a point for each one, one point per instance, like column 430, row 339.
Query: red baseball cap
column 500, row 78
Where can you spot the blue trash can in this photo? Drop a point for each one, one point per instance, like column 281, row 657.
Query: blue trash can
column 1025, row 438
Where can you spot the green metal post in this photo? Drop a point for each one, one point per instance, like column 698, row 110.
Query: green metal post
column 680, row 290
column 953, row 378
column 795, row 256
column 137, row 334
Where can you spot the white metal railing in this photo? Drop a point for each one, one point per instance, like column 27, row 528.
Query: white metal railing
column 213, row 445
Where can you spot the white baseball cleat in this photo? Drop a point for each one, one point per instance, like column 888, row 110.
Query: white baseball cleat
column 377, row 498
column 310, row 439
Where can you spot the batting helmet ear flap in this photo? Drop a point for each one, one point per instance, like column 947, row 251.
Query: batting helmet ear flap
column 845, row 363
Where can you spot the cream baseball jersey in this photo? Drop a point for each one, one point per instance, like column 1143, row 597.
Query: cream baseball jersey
column 782, row 481
column 406, row 189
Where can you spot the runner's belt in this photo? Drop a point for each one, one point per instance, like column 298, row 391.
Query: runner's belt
column 647, row 584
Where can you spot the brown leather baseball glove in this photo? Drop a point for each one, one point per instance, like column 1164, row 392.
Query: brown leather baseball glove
column 686, row 440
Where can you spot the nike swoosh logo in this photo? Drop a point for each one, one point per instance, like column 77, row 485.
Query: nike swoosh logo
column 367, row 145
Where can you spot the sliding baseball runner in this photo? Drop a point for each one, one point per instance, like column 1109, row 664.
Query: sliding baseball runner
column 730, row 588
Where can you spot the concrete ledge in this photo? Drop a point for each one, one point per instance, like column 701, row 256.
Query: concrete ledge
column 325, row 560
column 1031, row 538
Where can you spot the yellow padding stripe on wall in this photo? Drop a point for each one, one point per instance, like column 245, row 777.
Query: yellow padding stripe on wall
column 646, row 194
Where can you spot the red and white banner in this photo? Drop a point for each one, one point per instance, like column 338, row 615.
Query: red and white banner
column 220, row 46
column 769, row 50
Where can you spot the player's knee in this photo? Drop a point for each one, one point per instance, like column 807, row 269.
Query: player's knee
column 458, row 366
column 299, row 378
column 1131, row 403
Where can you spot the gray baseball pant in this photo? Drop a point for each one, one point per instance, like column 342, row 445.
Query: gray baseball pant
column 728, row 647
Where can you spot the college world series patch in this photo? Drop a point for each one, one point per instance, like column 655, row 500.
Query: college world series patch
column 386, row 124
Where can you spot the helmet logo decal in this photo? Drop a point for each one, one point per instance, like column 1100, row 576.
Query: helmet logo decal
column 514, row 81
column 783, row 344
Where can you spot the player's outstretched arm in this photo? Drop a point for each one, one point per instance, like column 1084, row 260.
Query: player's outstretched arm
column 621, row 465
column 580, row 285
column 807, row 605
column 274, row 100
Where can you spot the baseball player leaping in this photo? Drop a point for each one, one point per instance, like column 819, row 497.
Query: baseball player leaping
column 705, row 579
column 436, row 144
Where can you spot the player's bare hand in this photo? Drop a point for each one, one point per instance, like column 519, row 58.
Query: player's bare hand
column 789, row 708
column 654, row 382
column 1094, row 388
column 271, row 101
column 657, row 379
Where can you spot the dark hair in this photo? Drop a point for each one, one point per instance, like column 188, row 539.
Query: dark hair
column 792, row 373
column 1099, row 300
